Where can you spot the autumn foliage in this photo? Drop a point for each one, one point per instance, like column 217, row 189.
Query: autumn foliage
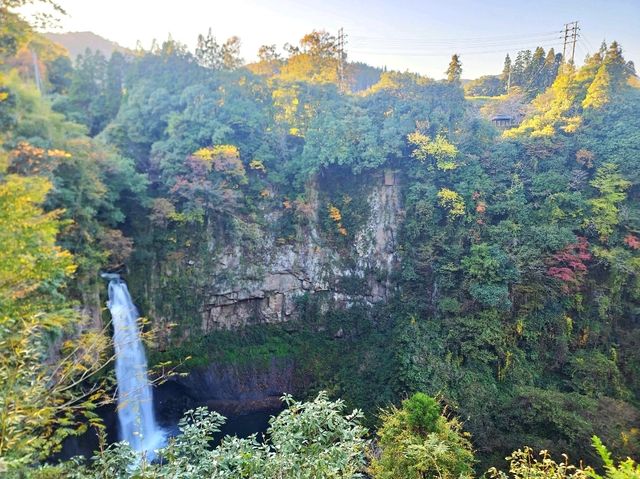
column 569, row 266
column 632, row 241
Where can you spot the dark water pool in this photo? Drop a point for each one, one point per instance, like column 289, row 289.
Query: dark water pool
column 247, row 424
column 241, row 426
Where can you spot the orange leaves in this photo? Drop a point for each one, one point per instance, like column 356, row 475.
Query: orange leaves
column 336, row 216
column 481, row 206
column 28, row 159
column 632, row 241
column 118, row 246
column 585, row 158
column 55, row 153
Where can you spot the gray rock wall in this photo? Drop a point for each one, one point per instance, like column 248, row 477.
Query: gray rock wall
column 259, row 278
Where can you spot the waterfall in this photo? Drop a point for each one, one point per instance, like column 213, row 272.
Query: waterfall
column 135, row 398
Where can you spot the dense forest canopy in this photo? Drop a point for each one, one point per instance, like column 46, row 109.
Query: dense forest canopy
column 515, row 301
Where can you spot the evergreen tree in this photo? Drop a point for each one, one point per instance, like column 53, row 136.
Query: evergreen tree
column 114, row 84
column 534, row 71
column 417, row 441
column 599, row 90
column 59, row 74
column 615, row 64
column 86, row 102
column 631, row 68
column 611, row 77
column 519, row 68
column 550, row 71
column 454, row 72
column 506, row 72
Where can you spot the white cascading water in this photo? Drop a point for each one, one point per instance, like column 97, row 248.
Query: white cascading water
column 135, row 397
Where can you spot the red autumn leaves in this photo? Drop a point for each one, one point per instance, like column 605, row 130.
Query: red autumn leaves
column 569, row 266
column 632, row 241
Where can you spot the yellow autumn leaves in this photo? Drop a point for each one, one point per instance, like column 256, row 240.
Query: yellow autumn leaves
column 451, row 201
column 336, row 216
column 224, row 159
column 444, row 155
column 440, row 150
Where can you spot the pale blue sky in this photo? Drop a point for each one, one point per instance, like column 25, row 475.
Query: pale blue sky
column 415, row 35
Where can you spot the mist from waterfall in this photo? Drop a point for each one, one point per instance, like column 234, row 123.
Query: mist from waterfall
column 135, row 397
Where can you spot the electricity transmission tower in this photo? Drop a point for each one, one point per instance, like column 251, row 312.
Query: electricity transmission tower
column 570, row 36
column 342, row 56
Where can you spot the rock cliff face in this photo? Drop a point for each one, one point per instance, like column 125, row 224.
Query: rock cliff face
column 259, row 278
column 264, row 288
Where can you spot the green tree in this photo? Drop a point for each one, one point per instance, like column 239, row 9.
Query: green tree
column 416, row 441
column 114, row 84
column 505, row 77
column 441, row 150
column 86, row 103
column 454, row 72
column 605, row 208
column 39, row 390
column 59, row 74
column 314, row 59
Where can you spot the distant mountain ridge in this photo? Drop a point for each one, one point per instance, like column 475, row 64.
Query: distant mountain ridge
column 77, row 42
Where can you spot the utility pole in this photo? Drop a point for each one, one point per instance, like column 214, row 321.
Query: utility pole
column 36, row 70
column 575, row 39
column 342, row 84
column 570, row 35
column 509, row 81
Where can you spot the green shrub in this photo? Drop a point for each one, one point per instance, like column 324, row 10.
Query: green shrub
column 422, row 412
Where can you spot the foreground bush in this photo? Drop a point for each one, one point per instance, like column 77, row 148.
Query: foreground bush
column 307, row 440
column 418, row 442
column 523, row 464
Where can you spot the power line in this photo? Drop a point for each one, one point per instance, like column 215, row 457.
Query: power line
column 589, row 46
column 425, row 47
column 568, row 37
column 459, row 39
column 400, row 52
column 416, row 46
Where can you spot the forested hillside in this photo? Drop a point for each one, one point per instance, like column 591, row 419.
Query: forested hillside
column 372, row 238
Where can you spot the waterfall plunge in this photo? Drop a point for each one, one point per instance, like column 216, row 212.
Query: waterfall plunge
column 135, row 398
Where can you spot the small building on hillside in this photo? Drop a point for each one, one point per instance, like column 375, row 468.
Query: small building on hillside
column 503, row 121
